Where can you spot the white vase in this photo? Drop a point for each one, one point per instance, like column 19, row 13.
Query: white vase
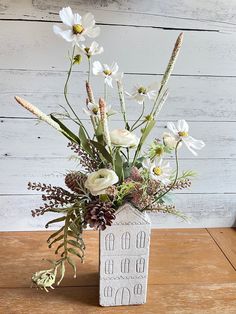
column 124, row 258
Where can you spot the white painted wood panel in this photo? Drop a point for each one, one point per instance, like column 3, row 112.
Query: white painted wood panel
column 196, row 98
column 214, row 175
column 217, row 210
column 33, row 65
column 213, row 14
column 26, row 138
column 203, row 53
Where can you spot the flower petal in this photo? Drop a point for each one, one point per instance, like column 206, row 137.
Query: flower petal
column 77, row 19
column 108, row 81
column 67, row 16
column 182, row 126
column 93, row 32
column 192, row 144
column 146, row 163
column 67, row 35
column 97, row 67
column 172, row 127
column 88, row 20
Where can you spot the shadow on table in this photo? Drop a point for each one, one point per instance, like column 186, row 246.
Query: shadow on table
column 84, row 294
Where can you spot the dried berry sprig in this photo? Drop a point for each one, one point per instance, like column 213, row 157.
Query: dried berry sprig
column 56, row 197
column 179, row 185
column 89, row 163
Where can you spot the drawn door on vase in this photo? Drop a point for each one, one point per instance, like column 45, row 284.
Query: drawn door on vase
column 122, row 296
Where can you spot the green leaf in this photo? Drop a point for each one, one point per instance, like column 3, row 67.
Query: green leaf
column 55, row 240
column 119, row 165
column 59, row 247
column 84, row 141
column 74, row 252
column 76, row 244
column 147, row 130
column 67, row 132
column 99, row 133
column 62, row 272
column 55, row 221
column 102, row 150
column 55, row 234
column 72, row 264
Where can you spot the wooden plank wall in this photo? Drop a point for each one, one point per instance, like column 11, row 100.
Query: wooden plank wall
column 139, row 35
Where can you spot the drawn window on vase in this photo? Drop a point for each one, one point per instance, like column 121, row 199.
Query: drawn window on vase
column 140, row 264
column 109, row 242
column 141, row 240
column 108, row 291
column 109, row 264
column 125, row 241
column 125, row 265
column 138, row 289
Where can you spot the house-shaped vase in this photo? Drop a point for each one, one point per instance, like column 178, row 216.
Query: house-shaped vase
column 124, row 258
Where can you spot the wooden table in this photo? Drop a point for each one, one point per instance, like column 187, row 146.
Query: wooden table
column 191, row 271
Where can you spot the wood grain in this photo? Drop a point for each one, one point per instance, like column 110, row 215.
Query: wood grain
column 17, row 172
column 203, row 210
column 226, row 239
column 162, row 299
column 191, row 255
column 197, row 98
column 207, row 49
column 188, row 274
column 155, row 13
column 220, row 138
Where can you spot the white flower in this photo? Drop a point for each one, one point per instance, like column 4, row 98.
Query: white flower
column 98, row 181
column 93, row 50
column 93, row 110
column 159, row 170
column 181, row 133
column 140, row 93
column 123, row 138
column 108, row 72
column 77, row 27
column 170, row 140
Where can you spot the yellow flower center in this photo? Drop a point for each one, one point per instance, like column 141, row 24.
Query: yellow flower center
column 107, row 72
column 159, row 151
column 183, row 134
column 95, row 110
column 142, row 90
column 157, row 171
column 78, row 29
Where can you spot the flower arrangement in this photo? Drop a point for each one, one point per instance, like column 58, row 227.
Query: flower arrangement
column 115, row 167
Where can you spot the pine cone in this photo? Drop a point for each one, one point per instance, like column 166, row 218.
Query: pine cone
column 99, row 215
column 72, row 179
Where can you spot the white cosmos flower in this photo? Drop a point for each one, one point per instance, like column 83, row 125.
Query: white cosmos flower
column 123, row 138
column 109, row 72
column 159, row 170
column 181, row 133
column 98, row 181
column 140, row 92
column 93, row 110
column 92, row 50
column 76, row 27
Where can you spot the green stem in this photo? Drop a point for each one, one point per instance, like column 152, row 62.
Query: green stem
column 139, row 118
column 173, row 184
column 66, row 233
column 140, row 124
column 105, row 91
column 66, row 89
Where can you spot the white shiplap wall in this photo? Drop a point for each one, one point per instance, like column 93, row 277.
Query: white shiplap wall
column 140, row 36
